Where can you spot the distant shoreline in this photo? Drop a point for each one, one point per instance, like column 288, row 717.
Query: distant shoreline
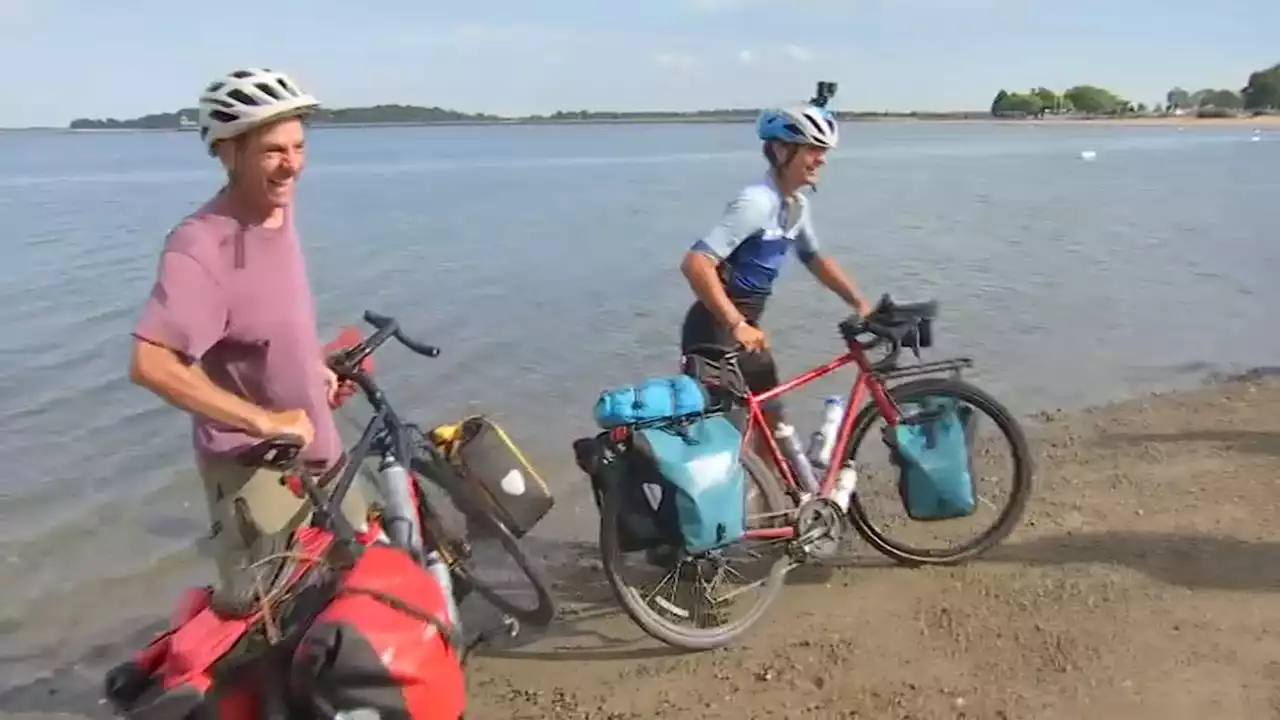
column 958, row 117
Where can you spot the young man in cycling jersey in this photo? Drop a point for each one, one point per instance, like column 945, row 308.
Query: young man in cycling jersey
column 732, row 268
column 229, row 332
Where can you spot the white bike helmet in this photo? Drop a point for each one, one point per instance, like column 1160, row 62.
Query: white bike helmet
column 247, row 98
column 805, row 125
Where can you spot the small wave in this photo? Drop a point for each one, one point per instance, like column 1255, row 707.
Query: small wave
column 508, row 163
column 163, row 177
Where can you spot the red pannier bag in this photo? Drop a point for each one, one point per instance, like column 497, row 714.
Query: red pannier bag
column 207, row 665
column 384, row 643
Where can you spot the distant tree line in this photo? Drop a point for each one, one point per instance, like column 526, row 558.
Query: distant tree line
column 415, row 115
column 1260, row 94
column 325, row 116
column 1087, row 99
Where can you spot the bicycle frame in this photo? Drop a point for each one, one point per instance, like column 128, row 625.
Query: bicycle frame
column 387, row 438
column 868, row 380
column 384, row 437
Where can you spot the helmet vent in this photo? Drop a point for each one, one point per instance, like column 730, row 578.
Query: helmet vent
column 271, row 91
column 242, row 97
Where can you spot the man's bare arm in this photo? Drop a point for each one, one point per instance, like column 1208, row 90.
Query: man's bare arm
column 185, row 386
column 700, row 270
column 829, row 273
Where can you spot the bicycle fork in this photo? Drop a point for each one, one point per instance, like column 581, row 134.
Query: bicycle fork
column 401, row 524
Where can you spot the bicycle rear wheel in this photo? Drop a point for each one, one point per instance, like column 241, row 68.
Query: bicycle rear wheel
column 1007, row 518
column 765, row 502
column 535, row 607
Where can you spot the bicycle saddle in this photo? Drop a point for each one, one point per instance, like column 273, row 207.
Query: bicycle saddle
column 278, row 453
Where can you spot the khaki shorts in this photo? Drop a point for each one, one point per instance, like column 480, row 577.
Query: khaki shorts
column 253, row 514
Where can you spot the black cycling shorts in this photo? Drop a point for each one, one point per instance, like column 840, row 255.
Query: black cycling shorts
column 701, row 327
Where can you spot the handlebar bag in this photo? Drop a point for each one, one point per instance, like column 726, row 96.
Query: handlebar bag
column 932, row 448
column 484, row 454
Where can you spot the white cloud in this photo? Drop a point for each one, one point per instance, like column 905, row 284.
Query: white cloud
column 791, row 53
column 681, row 61
column 799, row 53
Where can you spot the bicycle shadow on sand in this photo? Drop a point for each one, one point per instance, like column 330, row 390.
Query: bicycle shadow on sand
column 586, row 626
column 591, row 625
column 1193, row 561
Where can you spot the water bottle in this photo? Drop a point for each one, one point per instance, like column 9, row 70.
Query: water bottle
column 400, row 518
column 846, row 483
column 790, row 446
column 440, row 571
column 824, row 438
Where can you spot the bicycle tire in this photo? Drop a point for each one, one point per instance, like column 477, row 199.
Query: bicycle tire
column 474, row 509
column 1023, row 472
column 670, row 633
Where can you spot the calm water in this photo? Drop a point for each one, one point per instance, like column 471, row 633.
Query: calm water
column 544, row 261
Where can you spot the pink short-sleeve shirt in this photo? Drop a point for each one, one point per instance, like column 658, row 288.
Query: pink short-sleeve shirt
column 236, row 300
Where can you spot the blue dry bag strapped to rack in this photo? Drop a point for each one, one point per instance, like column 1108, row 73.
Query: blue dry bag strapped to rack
column 699, row 461
column 932, row 447
column 653, row 399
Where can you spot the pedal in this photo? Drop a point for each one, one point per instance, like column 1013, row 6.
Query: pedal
column 511, row 625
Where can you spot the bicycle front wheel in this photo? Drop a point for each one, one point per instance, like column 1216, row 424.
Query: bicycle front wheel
column 523, row 592
column 1012, row 501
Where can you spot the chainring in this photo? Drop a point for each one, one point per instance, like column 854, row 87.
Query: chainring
column 820, row 527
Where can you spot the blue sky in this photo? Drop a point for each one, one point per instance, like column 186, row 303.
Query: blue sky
column 71, row 58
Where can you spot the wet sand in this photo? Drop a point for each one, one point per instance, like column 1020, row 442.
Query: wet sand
column 1143, row 583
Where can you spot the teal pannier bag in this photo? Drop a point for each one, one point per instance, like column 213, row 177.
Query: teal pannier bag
column 933, row 450
column 700, row 462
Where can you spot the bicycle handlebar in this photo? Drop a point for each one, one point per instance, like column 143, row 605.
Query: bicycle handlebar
column 345, row 363
column 388, row 327
column 897, row 324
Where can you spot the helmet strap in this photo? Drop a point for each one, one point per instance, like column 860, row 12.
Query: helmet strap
column 780, row 165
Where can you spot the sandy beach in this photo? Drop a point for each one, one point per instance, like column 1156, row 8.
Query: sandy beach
column 1144, row 583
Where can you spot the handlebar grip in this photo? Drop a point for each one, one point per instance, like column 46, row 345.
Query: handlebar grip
column 382, row 322
column 420, row 348
column 389, row 327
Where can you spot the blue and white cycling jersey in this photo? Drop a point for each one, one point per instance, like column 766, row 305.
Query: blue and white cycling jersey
column 753, row 236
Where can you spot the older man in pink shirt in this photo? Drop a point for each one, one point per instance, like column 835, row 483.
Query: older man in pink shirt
column 229, row 331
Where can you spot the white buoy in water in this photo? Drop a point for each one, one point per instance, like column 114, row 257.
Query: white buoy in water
column 1088, row 154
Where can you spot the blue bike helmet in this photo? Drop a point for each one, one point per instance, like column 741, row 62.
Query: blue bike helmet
column 804, row 125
